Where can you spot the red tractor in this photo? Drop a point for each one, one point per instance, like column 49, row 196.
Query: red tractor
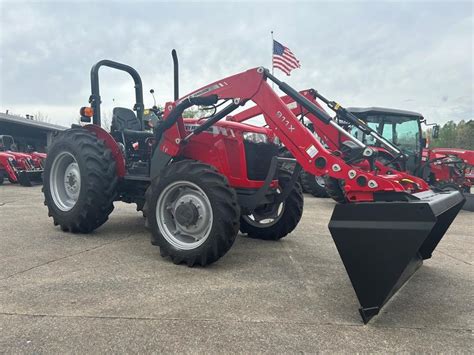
column 8, row 167
column 395, row 135
column 37, row 157
column 199, row 181
column 23, row 169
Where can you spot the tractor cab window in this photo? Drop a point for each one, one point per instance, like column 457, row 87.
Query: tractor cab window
column 403, row 131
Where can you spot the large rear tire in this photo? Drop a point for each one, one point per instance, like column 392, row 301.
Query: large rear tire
column 315, row 185
column 192, row 213
column 79, row 181
column 289, row 214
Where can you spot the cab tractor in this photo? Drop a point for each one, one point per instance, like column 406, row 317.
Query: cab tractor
column 396, row 135
column 199, row 181
column 442, row 168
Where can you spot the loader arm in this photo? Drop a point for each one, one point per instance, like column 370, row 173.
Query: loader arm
column 330, row 136
column 251, row 85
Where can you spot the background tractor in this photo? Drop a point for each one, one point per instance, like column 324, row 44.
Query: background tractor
column 396, row 136
column 16, row 166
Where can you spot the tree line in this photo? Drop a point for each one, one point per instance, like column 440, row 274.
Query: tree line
column 454, row 135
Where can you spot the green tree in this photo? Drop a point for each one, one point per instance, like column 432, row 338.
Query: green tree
column 465, row 135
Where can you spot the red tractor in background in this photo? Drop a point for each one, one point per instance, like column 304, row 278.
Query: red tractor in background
column 403, row 148
column 199, row 181
column 8, row 167
column 442, row 168
column 23, row 168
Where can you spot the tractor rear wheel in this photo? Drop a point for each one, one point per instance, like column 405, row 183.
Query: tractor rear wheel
column 1, row 177
column 315, row 185
column 192, row 213
column 335, row 190
column 79, row 181
column 263, row 224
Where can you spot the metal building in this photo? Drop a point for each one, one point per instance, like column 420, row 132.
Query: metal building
column 27, row 131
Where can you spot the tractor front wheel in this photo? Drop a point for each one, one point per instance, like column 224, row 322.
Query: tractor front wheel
column 315, row 185
column 79, row 181
column 273, row 222
column 335, row 190
column 192, row 213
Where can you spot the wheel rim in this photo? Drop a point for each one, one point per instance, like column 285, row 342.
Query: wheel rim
column 184, row 215
column 65, row 181
column 262, row 220
column 320, row 181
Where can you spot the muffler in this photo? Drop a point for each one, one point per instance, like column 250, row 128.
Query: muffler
column 383, row 243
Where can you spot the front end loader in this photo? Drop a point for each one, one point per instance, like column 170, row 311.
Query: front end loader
column 389, row 224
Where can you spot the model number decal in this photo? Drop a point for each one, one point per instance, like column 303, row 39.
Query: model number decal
column 285, row 121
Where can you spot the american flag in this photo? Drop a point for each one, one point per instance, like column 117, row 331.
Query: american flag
column 283, row 58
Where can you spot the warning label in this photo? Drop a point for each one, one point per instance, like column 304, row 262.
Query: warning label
column 312, row 151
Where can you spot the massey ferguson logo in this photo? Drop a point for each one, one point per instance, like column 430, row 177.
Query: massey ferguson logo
column 285, row 121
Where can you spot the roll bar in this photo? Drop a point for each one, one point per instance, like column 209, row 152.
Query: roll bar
column 95, row 100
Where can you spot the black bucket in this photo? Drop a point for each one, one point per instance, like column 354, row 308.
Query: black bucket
column 383, row 243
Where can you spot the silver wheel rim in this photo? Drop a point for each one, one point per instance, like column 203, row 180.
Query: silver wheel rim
column 173, row 199
column 256, row 220
column 320, row 181
column 65, row 181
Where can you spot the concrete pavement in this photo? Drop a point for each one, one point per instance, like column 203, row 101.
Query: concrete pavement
column 110, row 291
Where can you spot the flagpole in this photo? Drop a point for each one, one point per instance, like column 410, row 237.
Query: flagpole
column 272, row 57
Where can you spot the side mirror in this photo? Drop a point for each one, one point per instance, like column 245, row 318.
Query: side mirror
column 435, row 132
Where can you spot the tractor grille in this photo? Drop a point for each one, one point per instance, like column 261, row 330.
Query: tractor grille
column 258, row 157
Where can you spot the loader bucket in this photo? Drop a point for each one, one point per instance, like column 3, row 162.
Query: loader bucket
column 24, row 179
column 383, row 243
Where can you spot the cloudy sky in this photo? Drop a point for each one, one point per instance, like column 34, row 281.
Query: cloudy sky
column 414, row 55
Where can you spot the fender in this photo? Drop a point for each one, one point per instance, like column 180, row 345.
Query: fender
column 111, row 144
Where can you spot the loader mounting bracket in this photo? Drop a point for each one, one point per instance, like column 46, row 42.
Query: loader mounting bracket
column 250, row 202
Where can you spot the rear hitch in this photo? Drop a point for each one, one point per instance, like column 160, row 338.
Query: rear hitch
column 383, row 243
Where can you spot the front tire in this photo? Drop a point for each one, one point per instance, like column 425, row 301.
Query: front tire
column 192, row 213
column 335, row 190
column 315, row 185
column 79, row 181
column 288, row 214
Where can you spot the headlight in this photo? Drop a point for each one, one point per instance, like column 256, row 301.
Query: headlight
column 255, row 137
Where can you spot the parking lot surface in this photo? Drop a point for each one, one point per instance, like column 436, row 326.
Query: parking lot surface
column 110, row 291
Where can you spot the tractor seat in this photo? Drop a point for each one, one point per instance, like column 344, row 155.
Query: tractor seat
column 124, row 120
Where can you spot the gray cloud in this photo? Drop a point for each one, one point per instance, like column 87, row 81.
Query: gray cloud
column 408, row 55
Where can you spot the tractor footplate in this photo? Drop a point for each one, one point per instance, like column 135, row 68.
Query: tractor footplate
column 383, row 243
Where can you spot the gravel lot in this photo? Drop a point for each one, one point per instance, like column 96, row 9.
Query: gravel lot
column 110, row 291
